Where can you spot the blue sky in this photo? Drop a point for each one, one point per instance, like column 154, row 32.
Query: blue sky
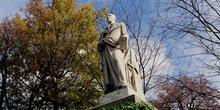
column 9, row 7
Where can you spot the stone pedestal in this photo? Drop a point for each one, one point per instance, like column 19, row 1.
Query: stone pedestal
column 119, row 97
column 121, row 93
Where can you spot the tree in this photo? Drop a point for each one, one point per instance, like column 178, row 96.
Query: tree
column 187, row 93
column 196, row 22
column 55, row 61
column 6, row 49
column 132, row 106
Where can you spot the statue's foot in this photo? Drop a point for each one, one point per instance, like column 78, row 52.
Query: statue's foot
column 122, row 85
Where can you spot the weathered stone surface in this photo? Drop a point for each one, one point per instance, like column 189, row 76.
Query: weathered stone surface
column 119, row 66
column 118, row 61
column 119, row 94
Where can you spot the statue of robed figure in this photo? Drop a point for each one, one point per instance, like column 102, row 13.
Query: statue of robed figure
column 118, row 61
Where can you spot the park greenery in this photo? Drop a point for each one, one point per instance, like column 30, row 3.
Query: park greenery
column 49, row 60
column 49, row 57
column 132, row 106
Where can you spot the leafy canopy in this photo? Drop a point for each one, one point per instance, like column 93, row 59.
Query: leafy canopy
column 54, row 60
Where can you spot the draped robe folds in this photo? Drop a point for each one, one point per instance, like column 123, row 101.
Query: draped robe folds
column 118, row 62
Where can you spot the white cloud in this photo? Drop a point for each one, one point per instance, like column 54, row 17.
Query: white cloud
column 154, row 59
column 153, row 53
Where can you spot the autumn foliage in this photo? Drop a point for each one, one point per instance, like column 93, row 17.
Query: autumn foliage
column 49, row 58
column 187, row 93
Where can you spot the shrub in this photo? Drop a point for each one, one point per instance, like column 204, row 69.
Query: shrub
column 132, row 106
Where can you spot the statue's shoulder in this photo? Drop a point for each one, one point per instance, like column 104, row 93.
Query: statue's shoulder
column 122, row 24
column 117, row 24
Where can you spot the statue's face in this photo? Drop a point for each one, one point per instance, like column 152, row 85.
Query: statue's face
column 111, row 18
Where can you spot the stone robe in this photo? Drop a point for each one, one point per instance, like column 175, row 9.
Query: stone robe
column 118, row 62
column 132, row 71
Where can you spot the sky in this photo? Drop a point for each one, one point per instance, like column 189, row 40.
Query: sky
column 10, row 7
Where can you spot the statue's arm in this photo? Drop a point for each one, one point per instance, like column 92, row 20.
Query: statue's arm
column 124, row 32
column 124, row 37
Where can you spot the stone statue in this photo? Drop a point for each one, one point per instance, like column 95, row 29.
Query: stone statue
column 118, row 62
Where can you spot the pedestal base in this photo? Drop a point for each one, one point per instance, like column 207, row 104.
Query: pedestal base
column 124, row 100
column 119, row 97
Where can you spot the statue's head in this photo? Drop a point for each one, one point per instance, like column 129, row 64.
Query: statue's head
column 111, row 18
